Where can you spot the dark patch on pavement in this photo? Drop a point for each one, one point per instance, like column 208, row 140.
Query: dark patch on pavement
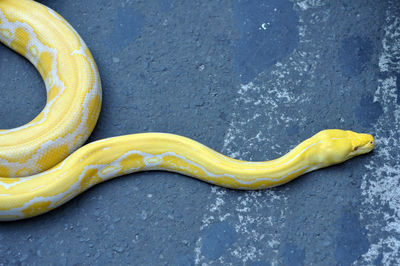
column 217, row 239
column 292, row 255
column 351, row 240
column 166, row 5
column 185, row 260
column 128, row 25
column 25, row 94
column 368, row 111
column 354, row 55
column 268, row 33
column 292, row 130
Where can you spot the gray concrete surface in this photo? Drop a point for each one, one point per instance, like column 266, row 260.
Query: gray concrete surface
column 250, row 79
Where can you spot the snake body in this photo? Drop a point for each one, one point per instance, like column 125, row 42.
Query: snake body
column 35, row 154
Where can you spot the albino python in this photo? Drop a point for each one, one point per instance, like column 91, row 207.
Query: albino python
column 35, row 154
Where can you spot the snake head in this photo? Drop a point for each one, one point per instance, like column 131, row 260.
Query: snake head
column 336, row 146
column 361, row 143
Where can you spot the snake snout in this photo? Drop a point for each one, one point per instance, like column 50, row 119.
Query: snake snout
column 362, row 143
column 368, row 141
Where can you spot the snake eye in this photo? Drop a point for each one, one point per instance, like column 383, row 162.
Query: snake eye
column 356, row 148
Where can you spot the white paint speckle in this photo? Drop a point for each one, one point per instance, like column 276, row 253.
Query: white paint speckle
column 306, row 4
column 265, row 25
column 380, row 185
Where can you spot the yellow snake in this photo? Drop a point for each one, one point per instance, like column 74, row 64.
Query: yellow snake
column 35, row 154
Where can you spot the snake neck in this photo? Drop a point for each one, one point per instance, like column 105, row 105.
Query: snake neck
column 304, row 158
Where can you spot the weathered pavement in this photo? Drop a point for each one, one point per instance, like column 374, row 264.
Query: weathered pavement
column 250, row 79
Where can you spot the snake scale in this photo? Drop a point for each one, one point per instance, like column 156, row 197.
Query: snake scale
column 42, row 166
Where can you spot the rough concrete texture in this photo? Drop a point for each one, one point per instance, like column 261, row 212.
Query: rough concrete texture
column 250, row 79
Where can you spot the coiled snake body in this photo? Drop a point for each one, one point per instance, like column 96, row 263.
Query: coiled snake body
column 35, row 154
